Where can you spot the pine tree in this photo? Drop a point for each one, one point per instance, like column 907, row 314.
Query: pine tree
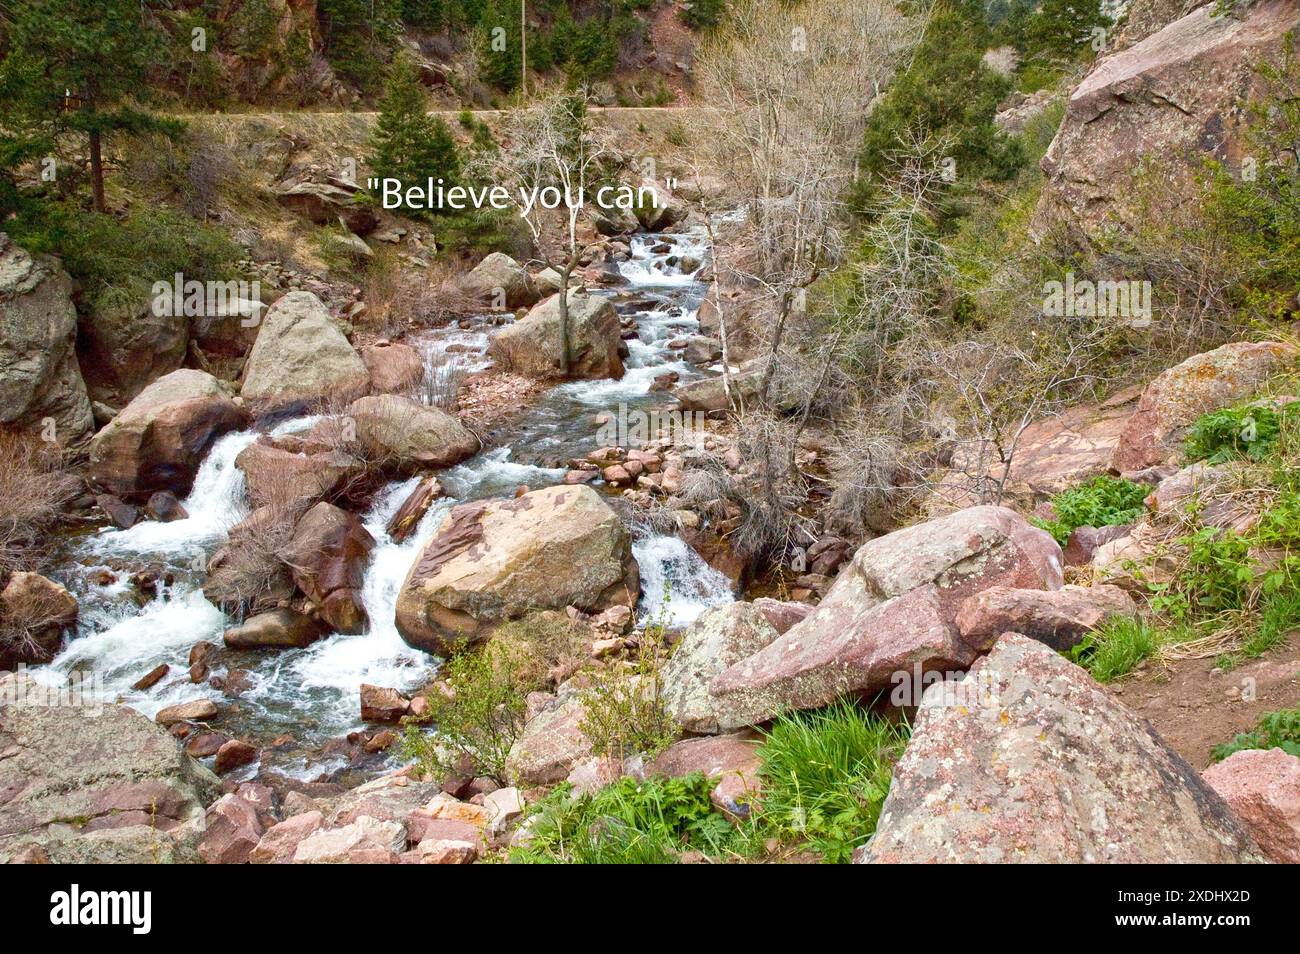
column 408, row 144
column 78, row 66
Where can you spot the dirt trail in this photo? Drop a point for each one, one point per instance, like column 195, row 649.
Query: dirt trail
column 1192, row 704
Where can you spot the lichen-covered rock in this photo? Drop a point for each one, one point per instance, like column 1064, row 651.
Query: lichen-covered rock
column 159, row 440
column 1263, row 787
column 301, row 358
column 531, row 346
column 495, row 560
column 721, row 637
column 93, row 782
column 551, row 744
column 893, row 607
column 1039, row 764
column 39, row 374
column 1176, row 398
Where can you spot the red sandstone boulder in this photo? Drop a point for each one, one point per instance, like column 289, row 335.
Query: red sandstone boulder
column 1027, row 759
column 892, row 608
column 1059, row 618
column 233, row 830
column 1263, row 787
column 327, row 557
column 394, row 368
column 1177, row 397
column 158, row 440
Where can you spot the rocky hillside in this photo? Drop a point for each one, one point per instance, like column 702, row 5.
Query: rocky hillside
column 865, row 497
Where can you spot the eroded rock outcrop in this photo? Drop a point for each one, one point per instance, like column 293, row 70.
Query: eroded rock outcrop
column 892, row 608
column 495, row 560
column 39, row 374
column 1205, row 382
column 1176, row 95
column 531, row 346
column 158, row 440
column 1041, row 765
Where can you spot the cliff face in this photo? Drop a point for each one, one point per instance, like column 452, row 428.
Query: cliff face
column 1175, row 96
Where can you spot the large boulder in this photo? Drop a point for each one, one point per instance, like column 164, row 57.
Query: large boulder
column 1175, row 95
column 1263, row 787
column 39, row 374
column 710, row 394
column 327, row 557
column 301, row 358
column 34, row 612
column 125, row 346
column 531, row 346
column 274, row 629
column 1060, row 618
column 394, row 368
column 404, row 436
column 88, row 782
column 158, row 440
column 500, row 281
column 892, row 608
column 720, row 638
column 291, row 474
column 1177, row 397
column 496, row 560
column 1029, row 760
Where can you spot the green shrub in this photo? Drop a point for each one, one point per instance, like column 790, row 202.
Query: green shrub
column 1104, row 501
column 826, row 774
column 117, row 261
column 628, row 822
column 1248, row 432
column 481, row 718
column 1275, row 730
column 703, row 14
column 623, row 712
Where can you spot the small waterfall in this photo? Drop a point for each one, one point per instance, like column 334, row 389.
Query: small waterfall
column 215, row 504
column 676, row 584
column 379, row 656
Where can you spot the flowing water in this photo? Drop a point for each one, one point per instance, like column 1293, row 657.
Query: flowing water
column 312, row 694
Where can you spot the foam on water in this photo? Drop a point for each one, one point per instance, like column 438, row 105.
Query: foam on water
column 379, row 656
column 676, row 584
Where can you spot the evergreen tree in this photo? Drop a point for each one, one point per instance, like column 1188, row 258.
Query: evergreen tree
column 76, row 66
column 945, row 95
column 408, row 143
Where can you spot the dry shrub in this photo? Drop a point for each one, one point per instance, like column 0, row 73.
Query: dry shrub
column 400, row 296
column 33, row 493
column 545, row 647
column 441, row 385
column 29, row 624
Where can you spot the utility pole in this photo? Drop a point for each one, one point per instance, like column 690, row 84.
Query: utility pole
column 523, row 46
